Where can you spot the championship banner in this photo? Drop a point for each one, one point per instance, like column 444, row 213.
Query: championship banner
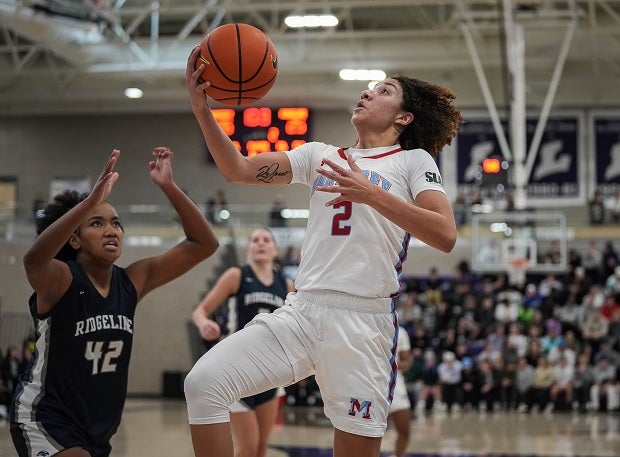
column 557, row 175
column 606, row 150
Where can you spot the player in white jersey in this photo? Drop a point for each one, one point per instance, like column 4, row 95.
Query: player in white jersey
column 400, row 409
column 340, row 325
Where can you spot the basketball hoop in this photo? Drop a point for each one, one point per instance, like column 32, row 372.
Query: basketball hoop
column 516, row 268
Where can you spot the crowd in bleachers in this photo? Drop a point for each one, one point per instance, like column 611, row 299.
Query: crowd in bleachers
column 481, row 342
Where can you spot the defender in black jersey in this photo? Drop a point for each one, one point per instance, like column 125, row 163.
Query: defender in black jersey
column 252, row 289
column 71, row 397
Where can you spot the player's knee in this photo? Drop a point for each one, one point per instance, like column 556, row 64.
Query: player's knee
column 206, row 386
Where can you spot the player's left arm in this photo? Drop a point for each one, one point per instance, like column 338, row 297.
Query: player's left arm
column 430, row 219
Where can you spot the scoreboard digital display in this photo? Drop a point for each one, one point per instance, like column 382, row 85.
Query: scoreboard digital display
column 256, row 130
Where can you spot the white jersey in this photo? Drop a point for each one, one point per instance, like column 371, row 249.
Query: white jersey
column 350, row 247
column 401, row 396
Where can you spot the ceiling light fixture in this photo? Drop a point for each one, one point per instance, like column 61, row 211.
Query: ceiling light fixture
column 362, row 75
column 311, row 21
column 133, row 92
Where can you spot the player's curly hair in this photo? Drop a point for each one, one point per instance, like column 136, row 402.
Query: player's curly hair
column 436, row 119
column 53, row 211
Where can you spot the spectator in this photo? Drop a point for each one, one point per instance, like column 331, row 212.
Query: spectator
column 488, row 384
column 419, row 339
column 562, row 351
column 594, row 330
column 489, row 353
column 470, row 384
column 581, row 282
column 38, row 204
column 597, row 209
column 506, row 388
column 604, row 391
column 461, row 210
column 276, row 218
column 430, row 393
column 526, row 314
column 532, row 297
column 553, row 337
column 561, row 392
column 570, row 314
column 549, row 284
column 612, row 282
column 27, row 351
column 610, row 261
column 572, row 342
column 608, row 352
column 507, row 311
column 409, row 312
column 523, row 381
column 217, row 208
column 582, row 382
column 449, row 371
column 541, row 384
column 432, row 291
column 290, row 261
column 615, row 207
column 614, row 328
column 10, row 368
column 485, row 313
column 592, row 260
column 516, row 339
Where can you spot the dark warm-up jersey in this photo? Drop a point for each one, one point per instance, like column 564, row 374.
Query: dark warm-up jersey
column 254, row 297
column 77, row 378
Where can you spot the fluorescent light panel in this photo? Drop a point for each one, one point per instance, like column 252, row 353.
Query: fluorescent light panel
column 311, row 21
column 133, row 92
column 349, row 74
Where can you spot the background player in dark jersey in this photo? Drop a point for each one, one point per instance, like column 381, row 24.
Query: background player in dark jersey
column 70, row 399
column 258, row 287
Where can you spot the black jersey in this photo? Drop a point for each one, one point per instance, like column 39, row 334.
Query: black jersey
column 77, row 377
column 254, row 297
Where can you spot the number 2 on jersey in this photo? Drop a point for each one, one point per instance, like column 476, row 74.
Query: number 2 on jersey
column 338, row 226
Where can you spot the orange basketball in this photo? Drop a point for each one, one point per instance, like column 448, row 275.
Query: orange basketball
column 241, row 64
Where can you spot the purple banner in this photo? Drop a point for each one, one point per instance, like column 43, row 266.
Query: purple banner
column 607, row 155
column 557, row 168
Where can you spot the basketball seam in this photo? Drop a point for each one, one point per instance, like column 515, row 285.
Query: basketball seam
column 240, row 66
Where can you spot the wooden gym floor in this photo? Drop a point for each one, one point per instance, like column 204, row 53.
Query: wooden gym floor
column 158, row 428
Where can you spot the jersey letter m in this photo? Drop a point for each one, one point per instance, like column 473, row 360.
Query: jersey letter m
column 363, row 408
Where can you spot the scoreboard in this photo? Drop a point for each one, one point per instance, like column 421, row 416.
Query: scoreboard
column 255, row 130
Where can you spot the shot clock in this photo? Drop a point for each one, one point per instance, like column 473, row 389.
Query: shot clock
column 255, row 130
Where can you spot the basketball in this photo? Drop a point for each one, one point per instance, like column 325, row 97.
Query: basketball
column 240, row 63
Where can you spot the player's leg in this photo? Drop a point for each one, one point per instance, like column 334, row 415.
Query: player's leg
column 350, row 445
column 245, row 363
column 267, row 414
column 401, row 420
column 212, row 440
column 246, row 432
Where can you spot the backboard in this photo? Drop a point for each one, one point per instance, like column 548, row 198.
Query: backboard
column 502, row 241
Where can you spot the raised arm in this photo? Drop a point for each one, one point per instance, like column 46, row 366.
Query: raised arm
column 269, row 168
column 200, row 241
column 50, row 278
